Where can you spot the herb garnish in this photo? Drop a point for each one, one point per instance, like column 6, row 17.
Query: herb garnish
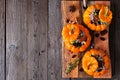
column 72, row 65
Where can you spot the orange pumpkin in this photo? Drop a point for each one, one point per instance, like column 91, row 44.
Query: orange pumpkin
column 76, row 37
column 95, row 62
column 70, row 32
column 97, row 17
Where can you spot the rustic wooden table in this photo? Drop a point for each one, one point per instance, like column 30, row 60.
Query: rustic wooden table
column 30, row 40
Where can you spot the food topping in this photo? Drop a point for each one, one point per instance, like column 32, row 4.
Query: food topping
column 100, row 62
column 95, row 18
column 72, row 65
column 102, row 38
column 81, row 40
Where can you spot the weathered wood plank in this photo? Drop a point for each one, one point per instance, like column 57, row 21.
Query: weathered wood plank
column 114, row 39
column 117, row 39
column 66, row 54
column 2, row 39
column 54, row 41
column 26, row 27
column 98, row 44
column 104, row 45
column 16, row 40
column 37, row 39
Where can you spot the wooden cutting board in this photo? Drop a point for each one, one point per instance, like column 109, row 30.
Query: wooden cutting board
column 75, row 16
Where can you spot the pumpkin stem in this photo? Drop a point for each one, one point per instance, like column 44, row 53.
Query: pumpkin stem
column 106, row 12
column 71, row 31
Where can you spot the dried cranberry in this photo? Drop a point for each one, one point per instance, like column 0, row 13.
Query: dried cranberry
column 102, row 38
column 103, row 32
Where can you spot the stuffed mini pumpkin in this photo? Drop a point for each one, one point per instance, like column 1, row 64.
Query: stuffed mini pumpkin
column 95, row 62
column 76, row 37
column 97, row 17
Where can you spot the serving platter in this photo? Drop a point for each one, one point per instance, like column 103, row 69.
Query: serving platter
column 72, row 12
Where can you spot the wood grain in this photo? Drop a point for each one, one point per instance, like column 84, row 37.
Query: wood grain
column 104, row 45
column 26, row 47
column 54, row 41
column 66, row 55
column 99, row 44
column 2, row 40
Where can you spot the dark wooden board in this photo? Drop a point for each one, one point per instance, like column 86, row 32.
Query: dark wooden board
column 2, row 39
column 66, row 55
